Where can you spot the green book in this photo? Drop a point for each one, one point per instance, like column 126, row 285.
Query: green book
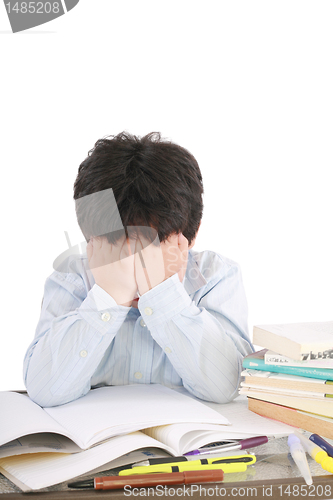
column 256, row 361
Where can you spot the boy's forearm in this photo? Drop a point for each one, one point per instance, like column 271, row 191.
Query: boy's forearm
column 58, row 367
column 205, row 354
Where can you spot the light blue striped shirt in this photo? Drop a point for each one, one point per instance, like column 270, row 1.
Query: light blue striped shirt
column 192, row 334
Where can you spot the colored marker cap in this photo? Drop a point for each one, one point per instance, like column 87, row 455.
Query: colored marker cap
column 327, row 464
column 253, row 442
column 321, row 456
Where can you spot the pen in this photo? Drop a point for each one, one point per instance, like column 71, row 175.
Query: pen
column 203, row 461
column 183, row 458
column 317, row 453
column 116, row 482
column 319, row 441
column 298, row 454
column 182, row 466
column 244, row 444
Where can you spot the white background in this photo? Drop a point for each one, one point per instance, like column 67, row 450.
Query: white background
column 246, row 86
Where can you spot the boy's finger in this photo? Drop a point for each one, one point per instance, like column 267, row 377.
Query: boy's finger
column 97, row 243
column 182, row 242
column 108, row 252
column 89, row 250
column 95, row 248
column 154, row 264
column 139, row 270
column 151, row 262
column 183, row 247
column 131, row 245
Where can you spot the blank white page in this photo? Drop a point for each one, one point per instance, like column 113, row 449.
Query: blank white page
column 181, row 436
column 110, row 411
column 19, row 416
column 39, row 443
column 245, row 423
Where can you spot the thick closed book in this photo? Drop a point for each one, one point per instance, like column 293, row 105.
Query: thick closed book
column 315, row 424
column 273, row 358
column 256, row 361
column 320, row 406
column 299, row 341
column 281, row 382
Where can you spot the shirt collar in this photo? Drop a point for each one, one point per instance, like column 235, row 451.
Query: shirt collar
column 194, row 279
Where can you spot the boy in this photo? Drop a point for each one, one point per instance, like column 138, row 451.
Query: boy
column 142, row 307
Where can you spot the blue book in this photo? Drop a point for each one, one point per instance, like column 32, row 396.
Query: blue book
column 256, row 361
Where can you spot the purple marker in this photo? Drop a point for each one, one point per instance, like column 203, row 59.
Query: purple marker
column 244, row 444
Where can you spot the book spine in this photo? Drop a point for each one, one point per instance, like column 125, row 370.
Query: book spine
column 317, row 354
column 277, row 359
column 284, row 392
column 306, row 421
column 259, row 364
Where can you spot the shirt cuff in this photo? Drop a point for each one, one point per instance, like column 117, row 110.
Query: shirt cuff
column 164, row 301
column 102, row 312
column 102, row 299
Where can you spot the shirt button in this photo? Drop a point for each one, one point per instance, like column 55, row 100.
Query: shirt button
column 142, row 323
column 167, row 349
column 148, row 311
column 83, row 354
column 138, row 375
column 106, row 316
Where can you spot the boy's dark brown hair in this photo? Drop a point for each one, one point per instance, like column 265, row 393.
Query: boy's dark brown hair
column 155, row 183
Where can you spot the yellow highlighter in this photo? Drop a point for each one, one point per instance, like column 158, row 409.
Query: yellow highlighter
column 317, row 453
column 238, row 463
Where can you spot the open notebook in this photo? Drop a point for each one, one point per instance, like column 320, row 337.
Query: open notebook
column 56, row 464
column 102, row 414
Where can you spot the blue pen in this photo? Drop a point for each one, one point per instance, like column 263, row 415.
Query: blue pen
column 319, row 441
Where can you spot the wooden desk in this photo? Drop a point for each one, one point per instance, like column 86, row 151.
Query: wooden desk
column 274, row 489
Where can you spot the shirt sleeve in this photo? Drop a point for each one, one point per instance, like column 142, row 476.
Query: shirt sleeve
column 205, row 336
column 76, row 327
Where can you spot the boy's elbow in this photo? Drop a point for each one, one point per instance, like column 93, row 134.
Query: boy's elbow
column 224, row 389
column 46, row 399
column 215, row 394
column 228, row 396
column 222, row 398
column 42, row 397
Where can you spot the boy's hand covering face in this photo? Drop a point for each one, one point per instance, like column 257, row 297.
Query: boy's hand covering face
column 135, row 264
column 113, row 267
column 154, row 264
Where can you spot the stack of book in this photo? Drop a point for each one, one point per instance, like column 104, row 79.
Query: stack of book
column 291, row 380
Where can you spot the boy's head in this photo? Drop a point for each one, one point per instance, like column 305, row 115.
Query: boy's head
column 155, row 182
